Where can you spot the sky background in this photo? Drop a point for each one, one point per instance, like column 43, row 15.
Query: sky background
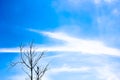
column 81, row 37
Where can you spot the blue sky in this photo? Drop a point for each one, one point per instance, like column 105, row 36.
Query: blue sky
column 81, row 37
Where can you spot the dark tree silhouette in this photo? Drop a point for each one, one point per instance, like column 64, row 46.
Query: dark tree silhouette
column 29, row 59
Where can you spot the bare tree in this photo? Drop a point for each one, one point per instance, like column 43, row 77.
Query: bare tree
column 29, row 59
column 39, row 72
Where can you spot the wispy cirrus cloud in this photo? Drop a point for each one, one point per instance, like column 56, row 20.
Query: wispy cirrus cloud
column 106, row 73
column 13, row 50
column 69, row 69
column 17, row 77
column 76, row 5
column 53, row 71
column 72, row 44
column 104, row 15
column 98, row 2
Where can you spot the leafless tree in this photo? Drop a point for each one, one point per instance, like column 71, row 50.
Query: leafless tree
column 29, row 59
column 39, row 72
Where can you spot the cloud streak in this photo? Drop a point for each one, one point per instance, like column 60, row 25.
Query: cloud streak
column 72, row 44
column 13, row 50
column 105, row 73
column 69, row 69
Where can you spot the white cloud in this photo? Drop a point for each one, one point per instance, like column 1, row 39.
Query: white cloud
column 69, row 69
column 73, row 44
column 105, row 73
column 17, row 77
column 13, row 50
